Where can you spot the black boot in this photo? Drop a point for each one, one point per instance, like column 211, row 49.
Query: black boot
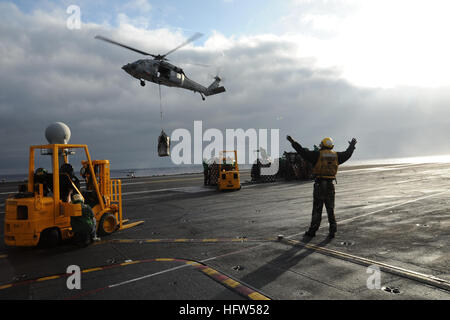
column 309, row 234
column 332, row 232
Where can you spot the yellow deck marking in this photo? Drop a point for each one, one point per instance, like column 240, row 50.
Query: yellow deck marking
column 164, row 259
column 210, row 240
column 6, row 286
column 210, row 271
column 231, row 283
column 127, row 241
column 257, row 296
column 92, row 270
column 47, row 278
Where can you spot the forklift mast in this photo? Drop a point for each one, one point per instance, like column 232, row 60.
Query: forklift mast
column 36, row 213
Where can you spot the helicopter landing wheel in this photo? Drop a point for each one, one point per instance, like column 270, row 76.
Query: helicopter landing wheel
column 142, row 83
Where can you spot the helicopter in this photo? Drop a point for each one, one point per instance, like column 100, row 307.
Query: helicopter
column 161, row 72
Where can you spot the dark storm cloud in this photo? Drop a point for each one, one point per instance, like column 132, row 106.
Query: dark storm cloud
column 49, row 73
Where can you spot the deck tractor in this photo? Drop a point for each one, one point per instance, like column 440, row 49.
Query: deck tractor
column 228, row 175
column 40, row 212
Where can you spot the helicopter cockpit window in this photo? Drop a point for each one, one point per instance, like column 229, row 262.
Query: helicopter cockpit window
column 164, row 72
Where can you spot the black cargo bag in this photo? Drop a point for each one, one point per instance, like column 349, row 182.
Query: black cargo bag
column 163, row 145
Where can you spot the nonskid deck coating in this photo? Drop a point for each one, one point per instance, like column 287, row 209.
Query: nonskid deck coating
column 397, row 215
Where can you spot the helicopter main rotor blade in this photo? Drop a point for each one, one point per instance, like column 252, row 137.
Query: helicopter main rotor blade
column 193, row 38
column 197, row 64
column 124, row 46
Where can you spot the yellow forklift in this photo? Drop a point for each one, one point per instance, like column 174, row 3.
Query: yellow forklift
column 228, row 178
column 40, row 213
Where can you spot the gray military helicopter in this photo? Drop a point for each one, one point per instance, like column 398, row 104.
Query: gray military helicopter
column 161, row 72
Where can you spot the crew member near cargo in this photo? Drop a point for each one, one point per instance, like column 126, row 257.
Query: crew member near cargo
column 84, row 226
column 325, row 164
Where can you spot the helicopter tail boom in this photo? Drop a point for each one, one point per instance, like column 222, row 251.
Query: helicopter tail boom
column 214, row 88
column 214, row 91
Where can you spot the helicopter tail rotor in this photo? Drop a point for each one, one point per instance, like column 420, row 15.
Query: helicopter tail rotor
column 215, row 88
column 218, row 75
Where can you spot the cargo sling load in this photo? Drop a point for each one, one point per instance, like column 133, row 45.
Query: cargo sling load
column 163, row 145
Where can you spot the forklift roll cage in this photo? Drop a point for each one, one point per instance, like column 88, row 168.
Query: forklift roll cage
column 55, row 168
column 29, row 215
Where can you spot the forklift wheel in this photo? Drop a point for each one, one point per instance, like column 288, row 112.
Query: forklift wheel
column 50, row 238
column 108, row 224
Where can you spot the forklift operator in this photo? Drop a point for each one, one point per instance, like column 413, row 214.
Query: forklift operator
column 46, row 179
column 68, row 182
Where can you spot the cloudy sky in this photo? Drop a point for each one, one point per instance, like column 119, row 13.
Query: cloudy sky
column 375, row 70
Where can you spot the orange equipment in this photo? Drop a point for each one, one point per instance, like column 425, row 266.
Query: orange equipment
column 229, row 178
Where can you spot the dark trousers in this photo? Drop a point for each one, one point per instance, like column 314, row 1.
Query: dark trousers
column 323, row 195
column 206, row 177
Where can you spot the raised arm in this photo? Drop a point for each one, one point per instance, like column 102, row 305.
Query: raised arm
column 310, row 156
column 344, row 156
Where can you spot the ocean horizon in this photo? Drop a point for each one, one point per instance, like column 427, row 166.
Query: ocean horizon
column 190, row 169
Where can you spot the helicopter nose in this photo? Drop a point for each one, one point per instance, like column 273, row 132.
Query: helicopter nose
column 130, row 68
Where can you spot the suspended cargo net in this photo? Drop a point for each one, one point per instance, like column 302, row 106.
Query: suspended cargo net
column 163, row 145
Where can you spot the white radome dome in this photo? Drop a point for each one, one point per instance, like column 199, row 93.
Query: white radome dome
column 57, row 133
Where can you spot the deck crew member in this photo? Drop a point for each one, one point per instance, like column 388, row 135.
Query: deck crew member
column 83, row 226
column 325, row 164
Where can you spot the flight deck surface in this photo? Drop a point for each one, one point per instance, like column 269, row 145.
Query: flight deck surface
column 201, row 244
